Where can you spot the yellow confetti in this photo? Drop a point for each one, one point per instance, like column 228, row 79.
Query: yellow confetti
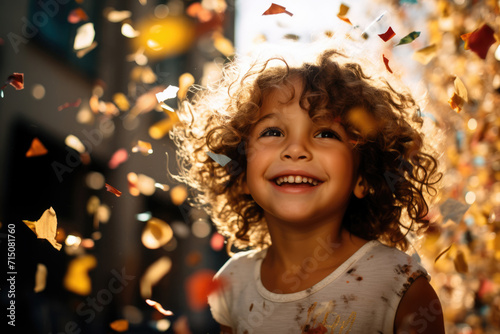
column 143, row 147
column 46, row 227
column 223, row 45
column 77, row 279
column 40, row 277
column 185, row 81
column 425, row 55
column 156, row 233
column 460, row 262
column 178, row 194
column 121, row 101
column 153, row 275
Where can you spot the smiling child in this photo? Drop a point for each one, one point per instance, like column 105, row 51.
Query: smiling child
column 328, row 174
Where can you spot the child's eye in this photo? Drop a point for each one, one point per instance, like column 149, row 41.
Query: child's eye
column 271, row 132
column 328, row 134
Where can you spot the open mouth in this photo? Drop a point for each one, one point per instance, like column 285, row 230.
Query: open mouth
column 296, row 180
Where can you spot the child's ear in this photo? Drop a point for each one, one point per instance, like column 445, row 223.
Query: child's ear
column 361, row 188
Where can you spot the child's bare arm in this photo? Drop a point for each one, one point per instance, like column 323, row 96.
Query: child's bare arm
column 419, row 310
column 225, row 330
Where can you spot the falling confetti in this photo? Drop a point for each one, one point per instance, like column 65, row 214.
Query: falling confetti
column 121, row 101
column 481, row 40
column 158, row 307
column 70, row 104
column 386, row 63
column 153, row 275
column 222, row 44
column 169, row 93
column 453, row 210
column 119, row 157
column 442, row 253
column 460, row 262
column 36, row 149
column 409, row 38
column 198, row 286
column 276, row 9
column 343, row 12
column 156, row 233
column 40, row 278
column 46, row 227
column 116, row 16
column 198, row 11
column 221, row 159
column 459, row 97
column 77, row 278
column 185, row 81
column 425, row 55
column 120, row 325
column 387, row 35
column 85, row 35
column 143, row 147
column 77, row 15
column 16, row 80
column 178, row 194
column 113, row 190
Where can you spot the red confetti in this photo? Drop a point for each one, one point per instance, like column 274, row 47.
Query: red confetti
column 36, row 149
column 16, row 80
column 118, row 158
column 69, row 104
column 481, row 39
column 387, row 35
column 386, row 63
column 276, row 9
column 113, row 190
column 77, row 15
column 199, row 286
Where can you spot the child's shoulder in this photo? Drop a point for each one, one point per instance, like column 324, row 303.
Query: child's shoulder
column 242, row 263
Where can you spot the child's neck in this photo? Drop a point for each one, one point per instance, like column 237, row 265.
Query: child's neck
column 297, row 261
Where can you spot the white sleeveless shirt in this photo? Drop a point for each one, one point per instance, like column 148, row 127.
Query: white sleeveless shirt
column 360, row 296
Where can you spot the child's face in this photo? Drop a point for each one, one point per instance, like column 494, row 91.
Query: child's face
column 286, row 145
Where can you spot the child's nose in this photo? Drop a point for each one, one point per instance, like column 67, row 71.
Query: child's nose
column 295, row 151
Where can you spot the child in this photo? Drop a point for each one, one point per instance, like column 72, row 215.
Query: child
column 324, row 166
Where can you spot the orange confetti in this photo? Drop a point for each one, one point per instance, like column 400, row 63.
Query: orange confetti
column 198, row 11
column 69, row 104
column 465, row 38
column 387, row 35
column 276, row 9
column 36, row 149
column 199, row 286
column 16, row 80
column 120, row 325
column 343, row 12
column 158, row 307
column 386, row 63
column 456, row 102
column 113, row 190
column 77, row 15
column 143, row 147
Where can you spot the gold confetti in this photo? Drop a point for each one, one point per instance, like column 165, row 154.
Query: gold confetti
column 153, row 275
column 36, row 149
column 120, row 325
column 77, row 279
column 156, row 233
column 46, row 227
column 158, row 307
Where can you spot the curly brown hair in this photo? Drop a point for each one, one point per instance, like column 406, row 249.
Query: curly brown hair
column 393, row 160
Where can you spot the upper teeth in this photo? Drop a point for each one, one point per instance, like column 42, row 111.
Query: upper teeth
column 296, row 179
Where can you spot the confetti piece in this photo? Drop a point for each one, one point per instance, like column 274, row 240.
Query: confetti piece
column 120, row 325
column 460, row 262
column 161, row 128
column 425, row 55
column 119, row 157
column 143, row 147
column 121, row 101
column 363, row 121
column 386, row 63
column 75, row 143
column 465, row 38
column 453, row 209
column 77, row 278
column 146, row 102
column 113, row 190
column 40, row 278
column 365, row 33
column 158, row 307
column 16, row 80
column 276, row 9
column 186, row 80
column 459, row 96
column 46, row 227
column 178, row 194
column 36, row 149
column 77, row 15
column 70, row 104
column 197, row 10
column 81, row 53
column 128, row 31
column 217, row 242
column 169, row 93
column 146, row 185
column 85, row 35
column 133, row 181
column 387, row 35
column 480, row 40
column 221, row 159
column 409, row 38
column 153, row 274
column 116, row 16
column 442, row 253
column 198, row 286
column 343, row 12
column 222, row 44
column 156, row 233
